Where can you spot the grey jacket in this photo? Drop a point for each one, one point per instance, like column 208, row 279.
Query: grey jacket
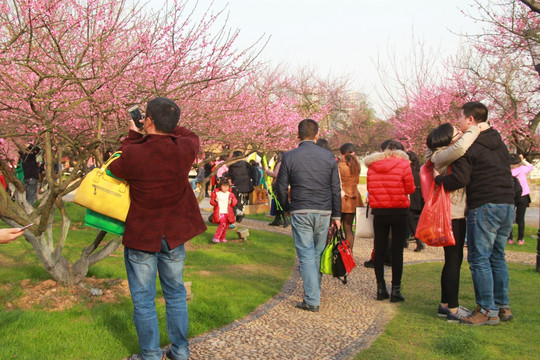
column 445, row 156
column 313, row 175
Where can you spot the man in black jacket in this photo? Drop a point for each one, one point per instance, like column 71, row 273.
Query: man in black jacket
column 313, row 175
column 485, row 171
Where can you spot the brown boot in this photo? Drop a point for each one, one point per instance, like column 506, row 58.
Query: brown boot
column 479, row 318
column 505, row 314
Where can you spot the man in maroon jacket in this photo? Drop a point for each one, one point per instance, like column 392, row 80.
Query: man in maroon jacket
column 163, row 215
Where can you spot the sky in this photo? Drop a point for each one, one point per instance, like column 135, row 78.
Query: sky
column 347, row 37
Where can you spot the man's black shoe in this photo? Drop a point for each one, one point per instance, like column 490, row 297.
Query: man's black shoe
column 302, row 305
column 369, row 264
column 273, row 223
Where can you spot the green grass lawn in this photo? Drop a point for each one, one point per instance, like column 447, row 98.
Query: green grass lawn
column 259, row 216
column 228, row 282
column 416, row 332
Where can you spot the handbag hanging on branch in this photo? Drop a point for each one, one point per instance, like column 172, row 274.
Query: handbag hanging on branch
column 103, row 193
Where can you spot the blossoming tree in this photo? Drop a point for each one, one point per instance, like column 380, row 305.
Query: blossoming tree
column 69, row 69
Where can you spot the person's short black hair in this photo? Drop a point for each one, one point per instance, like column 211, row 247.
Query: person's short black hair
column 237, row 153
column 477, row 110
column 515, row 159
column 164, row 113
column 324, row 144
column 224, row 180
column 415, row 162
column 440, row 136
column 308, row 129
column 391, row 145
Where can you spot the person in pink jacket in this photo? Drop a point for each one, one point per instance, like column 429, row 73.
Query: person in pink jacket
column 520, row 168
column 389, row 182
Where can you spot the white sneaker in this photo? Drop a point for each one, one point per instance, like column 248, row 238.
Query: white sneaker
column 460, row 314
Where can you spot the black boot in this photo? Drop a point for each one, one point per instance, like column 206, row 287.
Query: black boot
column 286, row 221
column 396, row 294
column 382, row 293
column 277, row 221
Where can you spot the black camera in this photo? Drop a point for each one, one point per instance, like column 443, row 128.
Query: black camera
column 136, row 115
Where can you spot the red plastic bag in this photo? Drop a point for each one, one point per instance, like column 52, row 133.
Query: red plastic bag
column 435, row 223
column 426, row 180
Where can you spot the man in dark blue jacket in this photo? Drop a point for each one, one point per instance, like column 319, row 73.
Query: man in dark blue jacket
column 485, row 171
column 313, row 175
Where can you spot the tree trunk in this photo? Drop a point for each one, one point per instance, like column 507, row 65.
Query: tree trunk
column 60, row 269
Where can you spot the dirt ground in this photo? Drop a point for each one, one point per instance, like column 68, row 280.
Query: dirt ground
column 49, row 295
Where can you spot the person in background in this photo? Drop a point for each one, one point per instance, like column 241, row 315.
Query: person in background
column 239, row 175
column 520, row 168
column 280, row 218
column 349, row 173
column 255, row 173
column 207, row 171
column 389, row 182
column 417, row 202
column 324, row 144
column 31, row 172
column 223, row 201
column 199, row 178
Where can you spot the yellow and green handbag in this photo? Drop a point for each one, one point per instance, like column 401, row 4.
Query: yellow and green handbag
column 103, row 193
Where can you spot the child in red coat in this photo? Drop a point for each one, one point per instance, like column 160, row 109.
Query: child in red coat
column 223, row 201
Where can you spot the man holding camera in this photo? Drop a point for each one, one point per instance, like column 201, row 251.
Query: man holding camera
column 163, row 215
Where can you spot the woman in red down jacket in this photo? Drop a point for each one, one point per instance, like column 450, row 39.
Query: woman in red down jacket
column 389, row 181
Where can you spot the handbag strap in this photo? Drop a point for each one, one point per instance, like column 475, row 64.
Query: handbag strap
column 113, row 157
column 103, row 170
column 367, row 210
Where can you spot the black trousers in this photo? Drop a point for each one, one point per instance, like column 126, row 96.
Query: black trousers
column 521, row 207
column 453, row 257
column 413, row 217
column 382, row 224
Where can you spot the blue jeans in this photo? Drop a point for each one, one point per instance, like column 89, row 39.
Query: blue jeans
column 142, row 267
column 310, row 231
column 488, row 228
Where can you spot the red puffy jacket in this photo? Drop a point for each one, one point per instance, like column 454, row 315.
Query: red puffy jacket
column 389, row 179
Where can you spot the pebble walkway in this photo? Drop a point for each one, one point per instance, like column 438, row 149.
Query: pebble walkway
column 349, row 320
